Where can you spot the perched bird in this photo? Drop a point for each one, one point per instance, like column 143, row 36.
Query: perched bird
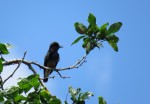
column 51, row 59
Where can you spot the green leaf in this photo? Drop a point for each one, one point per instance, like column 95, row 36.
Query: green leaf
column 31, row 76
column 34, row 97
column 54, row 100
column 33, row 80
column 101, row 100
column 114, row 38
column 113, row 45
column 90, row 30
column 80, row 102
column 86, row 95
column 88, row 47
column 78, row 91
column 104, row 26
column 8, row 45
column 92, row 19
column 102, row 32
column 73, row 92
column 45, row 94
column 1, row 99
column 25, row 85
column 3, row 49
column 85, row 40
column 80, row 28
column 1, row 65
column 77, row 40
column 19, row 98
column 66, row 102
column 114, row 28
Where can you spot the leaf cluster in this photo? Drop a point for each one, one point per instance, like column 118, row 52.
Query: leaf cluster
column 93, row 35
column 3, row 51
column 79, row 97
column 28, row 91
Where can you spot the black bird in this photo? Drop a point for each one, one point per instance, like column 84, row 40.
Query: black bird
column 51, row 59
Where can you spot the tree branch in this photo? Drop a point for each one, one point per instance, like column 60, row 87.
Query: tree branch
column 19, row 63
column 1, row 83
column 28, row 63
column 16, row 68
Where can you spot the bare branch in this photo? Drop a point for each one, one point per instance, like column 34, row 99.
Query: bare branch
column 15, row 69
column 76, row 65
column 1, row 81
column 47, row 77
column 61, row 75
column 28, row 63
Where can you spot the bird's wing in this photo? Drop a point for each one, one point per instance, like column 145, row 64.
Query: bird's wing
column 47, row 56
column 57, row 59
column 46, row 59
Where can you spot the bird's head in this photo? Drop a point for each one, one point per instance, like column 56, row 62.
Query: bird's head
column 55, row 46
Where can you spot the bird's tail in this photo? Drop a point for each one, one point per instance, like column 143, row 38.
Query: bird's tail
column 45, row 79
column 46, row 75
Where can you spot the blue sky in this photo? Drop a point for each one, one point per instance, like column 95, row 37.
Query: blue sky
column 121, row 78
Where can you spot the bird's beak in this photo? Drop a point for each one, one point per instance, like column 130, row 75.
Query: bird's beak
column 60, row 46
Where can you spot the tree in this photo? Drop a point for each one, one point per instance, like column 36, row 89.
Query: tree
column 93, row 36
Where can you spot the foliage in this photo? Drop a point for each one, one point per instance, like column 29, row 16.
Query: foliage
column 28, row 90
column 77, row 97
column 93, row 36
column 31, row 91
column 3, row 51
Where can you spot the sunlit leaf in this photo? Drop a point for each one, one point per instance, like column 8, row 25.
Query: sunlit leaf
column 45, row 94
column 34, row 97
column 25, row 85
column 114, row 28
column 72, row 91
column 101, row 100
column 113, row 45
column 88, row 47
column 114, row 38
column 1, row 65
column 19, row 98
column 102, row 32
column 86, row 95
column 85, row 41
column 104, row 26
column 33, row 80
column 77, row 40
column 54, row 100
column 3, row 49
column 8, row 45
column 80, row 28
column 92, row 19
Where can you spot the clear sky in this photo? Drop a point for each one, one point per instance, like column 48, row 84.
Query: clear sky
column 121, row 78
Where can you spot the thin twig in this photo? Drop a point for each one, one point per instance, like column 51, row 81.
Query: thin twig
column 76, row 65
column 47, row 77
column 1, row 81
column 62, row 76
column 16, row 68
